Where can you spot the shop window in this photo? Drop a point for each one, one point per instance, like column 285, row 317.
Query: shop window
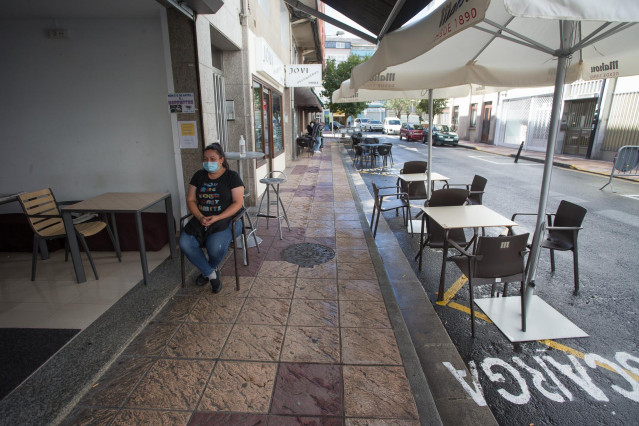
column 267, row 109
column 473, row 115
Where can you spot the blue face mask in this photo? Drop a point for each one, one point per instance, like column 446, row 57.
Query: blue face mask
column 211, row 166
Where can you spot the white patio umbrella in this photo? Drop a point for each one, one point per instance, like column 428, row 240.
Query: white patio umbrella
column 512, row 43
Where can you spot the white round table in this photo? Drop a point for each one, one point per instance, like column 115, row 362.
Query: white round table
column 250, row 155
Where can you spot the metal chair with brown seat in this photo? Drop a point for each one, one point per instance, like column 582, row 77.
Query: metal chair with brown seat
column 562, row 233
column 398, row 201
column 435, row 234
column 495, row 257
column 45, row 220
column 476, row 189
column 237, row 216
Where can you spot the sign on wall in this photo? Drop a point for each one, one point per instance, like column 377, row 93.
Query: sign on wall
column 268, row 62
column 308, row 75
column 181, row 103
column 188, row 134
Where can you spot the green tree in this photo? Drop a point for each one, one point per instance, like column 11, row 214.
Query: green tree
column 334, row 75
column 399, row 106
column 438, row 106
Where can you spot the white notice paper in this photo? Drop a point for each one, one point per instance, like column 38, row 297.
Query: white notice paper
column 188, row 134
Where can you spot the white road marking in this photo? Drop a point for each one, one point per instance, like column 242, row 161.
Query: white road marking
column 504, row 162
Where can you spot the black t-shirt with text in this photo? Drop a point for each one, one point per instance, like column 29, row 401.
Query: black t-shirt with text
column 213, row 196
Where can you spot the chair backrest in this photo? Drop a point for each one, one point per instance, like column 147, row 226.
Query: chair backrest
column 40, row 202
column 478, row 186
column 442, row 198
column 371, row 140
column 448, row 197
column 415, row 190
column 415, row 167
column 479, row 183
column 501, row 256
column 568, row 214
column 383, row 150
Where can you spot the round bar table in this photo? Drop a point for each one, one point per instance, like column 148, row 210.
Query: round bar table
column 250, row 155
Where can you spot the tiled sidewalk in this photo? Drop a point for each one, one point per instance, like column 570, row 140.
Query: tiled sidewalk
column 295, row 345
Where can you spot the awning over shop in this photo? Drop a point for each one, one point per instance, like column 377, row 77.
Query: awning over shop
column 307, row 99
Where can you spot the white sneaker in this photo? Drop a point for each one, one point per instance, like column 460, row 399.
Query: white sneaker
column 318, row 152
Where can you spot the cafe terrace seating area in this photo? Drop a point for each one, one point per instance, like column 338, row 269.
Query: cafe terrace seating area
column 315, row 336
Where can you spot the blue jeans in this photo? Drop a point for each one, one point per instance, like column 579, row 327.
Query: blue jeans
column 217, row 244
column 318, row 143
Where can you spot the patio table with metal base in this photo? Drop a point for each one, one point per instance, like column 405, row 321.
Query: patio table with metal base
column 118, row 202
column 409, row 178
column 249, row 155
column 459, row 217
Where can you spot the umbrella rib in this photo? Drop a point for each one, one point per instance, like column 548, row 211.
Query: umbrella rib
column 474, row 58
column 529, row 42
column 514, row 40
column 591, row 40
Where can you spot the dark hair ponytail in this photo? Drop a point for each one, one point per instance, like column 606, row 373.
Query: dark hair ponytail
column 220, row 152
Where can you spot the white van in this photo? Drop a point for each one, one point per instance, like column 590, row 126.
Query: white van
column 392, row 125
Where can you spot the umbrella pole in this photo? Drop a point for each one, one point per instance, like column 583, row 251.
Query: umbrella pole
column 562, row 63
column 430, row 141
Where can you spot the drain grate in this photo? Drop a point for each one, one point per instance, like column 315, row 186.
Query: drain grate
column 307, row 255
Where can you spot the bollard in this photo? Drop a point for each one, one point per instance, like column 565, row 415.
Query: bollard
column 519, row 151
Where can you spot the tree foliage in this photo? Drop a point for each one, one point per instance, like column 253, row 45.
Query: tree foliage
column 438, row 106
column 334, row 75
column 400, row 105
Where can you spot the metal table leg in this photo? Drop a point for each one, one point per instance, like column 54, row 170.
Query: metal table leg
column 73, row 247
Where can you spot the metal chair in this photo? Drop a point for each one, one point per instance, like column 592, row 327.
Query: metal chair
column 45, row 220
column 361, row 154
column 237, row 216
column 384, row 152
column 381, row 205
column 272, row 180
column 416, row 190
column 390, row 152
column 476, row 189
column 562, row 233
column 494, row 258
column 435, row 234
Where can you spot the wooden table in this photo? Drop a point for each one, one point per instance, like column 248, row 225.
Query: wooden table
column 118, row 202
column 459, row 217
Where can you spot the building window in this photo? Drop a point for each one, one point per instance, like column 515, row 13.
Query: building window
column 455, row 119
column 473, row 115
column 267, row 109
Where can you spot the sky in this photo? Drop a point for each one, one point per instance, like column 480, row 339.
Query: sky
column 331, row 30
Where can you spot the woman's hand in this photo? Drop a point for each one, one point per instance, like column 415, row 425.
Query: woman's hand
column 208, row 220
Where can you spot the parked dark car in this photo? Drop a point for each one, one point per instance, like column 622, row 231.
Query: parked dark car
column 411, row 131
column 442, row 135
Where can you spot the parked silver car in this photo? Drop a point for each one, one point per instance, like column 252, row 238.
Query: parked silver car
column 373, row 126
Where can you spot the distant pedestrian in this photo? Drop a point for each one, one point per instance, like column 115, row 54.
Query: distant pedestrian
column 317, row 136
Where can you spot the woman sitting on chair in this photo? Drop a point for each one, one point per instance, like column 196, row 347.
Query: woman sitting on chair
column 215, row 195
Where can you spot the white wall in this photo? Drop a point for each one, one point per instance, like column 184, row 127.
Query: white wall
column 87, row 114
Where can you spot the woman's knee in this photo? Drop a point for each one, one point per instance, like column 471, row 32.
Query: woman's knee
column 187, row 242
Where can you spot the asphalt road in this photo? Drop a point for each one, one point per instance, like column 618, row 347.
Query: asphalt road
column 591, row 380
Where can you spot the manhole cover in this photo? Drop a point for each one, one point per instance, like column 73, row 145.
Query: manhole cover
column 307, row 255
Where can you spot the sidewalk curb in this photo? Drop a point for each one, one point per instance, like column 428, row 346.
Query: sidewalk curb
column 428, row 339
column 538, row 160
